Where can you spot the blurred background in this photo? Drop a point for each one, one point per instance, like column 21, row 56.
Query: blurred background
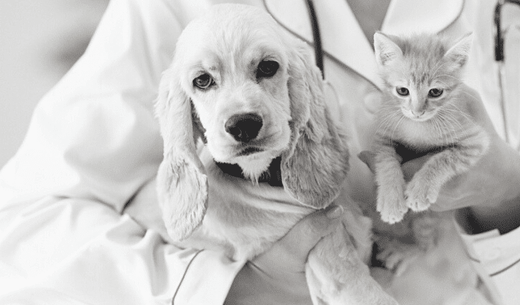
column 39, row 41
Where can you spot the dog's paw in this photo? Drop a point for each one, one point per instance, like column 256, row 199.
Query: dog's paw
column 391, row 204
column 420, row 194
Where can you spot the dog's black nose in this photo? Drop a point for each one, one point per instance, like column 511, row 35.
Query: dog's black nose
column 244, row 127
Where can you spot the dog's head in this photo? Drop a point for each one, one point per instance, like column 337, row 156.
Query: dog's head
column 250, row 92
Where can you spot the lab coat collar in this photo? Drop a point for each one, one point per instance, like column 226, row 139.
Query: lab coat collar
column 339, row 27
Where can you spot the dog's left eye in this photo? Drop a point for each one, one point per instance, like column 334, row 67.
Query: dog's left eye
column 267, row 68
column 203, row 82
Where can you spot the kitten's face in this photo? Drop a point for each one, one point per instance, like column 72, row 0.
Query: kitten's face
column 420, row 72
column 419, row 98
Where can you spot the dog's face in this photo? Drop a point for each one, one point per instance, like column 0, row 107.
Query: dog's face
column 236, row 76
column 252, row 92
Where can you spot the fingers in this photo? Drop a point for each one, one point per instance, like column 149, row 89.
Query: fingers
column 308, row 232
column 317, row 225
column 289, row 254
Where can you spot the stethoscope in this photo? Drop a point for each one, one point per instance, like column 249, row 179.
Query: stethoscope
column 499, row 58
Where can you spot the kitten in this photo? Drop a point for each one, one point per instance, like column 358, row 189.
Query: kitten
column 422, row 112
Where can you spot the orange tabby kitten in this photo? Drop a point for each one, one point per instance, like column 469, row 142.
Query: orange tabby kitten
column 422, row 112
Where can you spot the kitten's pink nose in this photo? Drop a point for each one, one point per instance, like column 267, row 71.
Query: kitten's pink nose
column 418, row 113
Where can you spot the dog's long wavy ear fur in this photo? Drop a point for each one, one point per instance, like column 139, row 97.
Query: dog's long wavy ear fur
column 316, row 163
column 182, row 185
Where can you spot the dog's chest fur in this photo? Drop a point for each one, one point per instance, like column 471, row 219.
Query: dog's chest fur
column 243, row 218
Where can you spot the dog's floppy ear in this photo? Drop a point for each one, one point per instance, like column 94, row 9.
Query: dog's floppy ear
column 316, row 163
column 182, row 185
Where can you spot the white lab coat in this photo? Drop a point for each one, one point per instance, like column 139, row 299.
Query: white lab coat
column 93, row 143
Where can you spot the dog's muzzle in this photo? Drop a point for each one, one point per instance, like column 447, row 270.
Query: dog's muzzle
column 244, row 127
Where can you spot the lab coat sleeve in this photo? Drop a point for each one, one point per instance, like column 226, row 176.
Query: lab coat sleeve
column 207, row 280
column 496, row 256
column 77, row 251
column 94, row 137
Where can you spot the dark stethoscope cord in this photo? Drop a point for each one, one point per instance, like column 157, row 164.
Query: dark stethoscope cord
column 499, row 40
column 318, row 49
column 500, row 59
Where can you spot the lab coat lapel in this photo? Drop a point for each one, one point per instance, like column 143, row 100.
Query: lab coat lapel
column 422, row 16
column 342, row 37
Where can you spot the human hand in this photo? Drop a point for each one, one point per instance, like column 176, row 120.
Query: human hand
column 278, row 275
column 490, row 188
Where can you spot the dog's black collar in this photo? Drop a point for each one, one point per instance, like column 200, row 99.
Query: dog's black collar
column 272, row 176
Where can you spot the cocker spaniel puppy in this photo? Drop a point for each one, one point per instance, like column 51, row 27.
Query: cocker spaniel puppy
column 271, row 154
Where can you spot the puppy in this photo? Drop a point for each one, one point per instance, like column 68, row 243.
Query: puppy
column 271, row 153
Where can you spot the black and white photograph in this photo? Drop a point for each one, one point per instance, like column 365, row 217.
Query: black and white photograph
column 259, row 152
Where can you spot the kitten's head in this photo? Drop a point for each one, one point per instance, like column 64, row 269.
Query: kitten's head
column 421, row 71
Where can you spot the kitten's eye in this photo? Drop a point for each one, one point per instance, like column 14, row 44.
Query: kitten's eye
column 402, row 91
column 203, row 82
column 267, row 68
column 435, row 92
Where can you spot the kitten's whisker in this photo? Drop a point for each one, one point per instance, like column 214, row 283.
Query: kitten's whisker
column 389, row 115
column 385, row 122
column 397, row 125
column 438, row 126
column 451, row 124
column 451, row 115
column 458, row 111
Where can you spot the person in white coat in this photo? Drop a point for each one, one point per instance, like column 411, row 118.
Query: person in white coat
column 93, row 148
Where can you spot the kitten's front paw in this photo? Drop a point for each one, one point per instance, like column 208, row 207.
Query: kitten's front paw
column 392, row 216
column 420, row 194
column 391, row 205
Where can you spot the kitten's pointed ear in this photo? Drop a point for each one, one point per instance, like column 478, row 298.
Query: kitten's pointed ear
column 386, row 49
column 459, row 52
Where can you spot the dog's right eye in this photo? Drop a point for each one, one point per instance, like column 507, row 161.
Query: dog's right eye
column 203, row 82
column 267, row 68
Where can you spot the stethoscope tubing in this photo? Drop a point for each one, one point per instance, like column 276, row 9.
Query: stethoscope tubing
column 500, row 59
column 318, row 48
